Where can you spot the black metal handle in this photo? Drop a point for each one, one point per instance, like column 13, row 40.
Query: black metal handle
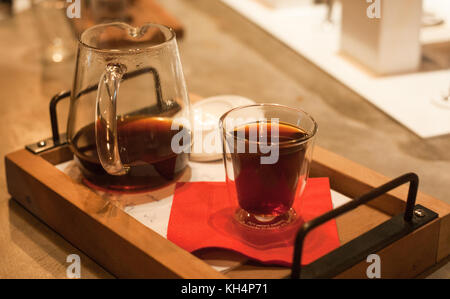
column 62, row 95
column 53, row 115
column 355, row 251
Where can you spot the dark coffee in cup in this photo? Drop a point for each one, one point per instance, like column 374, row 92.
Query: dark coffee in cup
column 268, row 189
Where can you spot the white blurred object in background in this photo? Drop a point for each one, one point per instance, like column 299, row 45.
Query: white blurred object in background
column 388, row 44
column 21, row 5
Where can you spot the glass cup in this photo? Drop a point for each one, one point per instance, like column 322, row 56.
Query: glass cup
column 267, row 151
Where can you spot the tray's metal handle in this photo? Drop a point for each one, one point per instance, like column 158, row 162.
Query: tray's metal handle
column 58, row 139
column 54, row 117
column 372, row 241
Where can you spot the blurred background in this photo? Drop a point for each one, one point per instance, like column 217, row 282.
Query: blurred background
column 375, row 77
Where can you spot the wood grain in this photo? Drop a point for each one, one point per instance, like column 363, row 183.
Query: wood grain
column 98, row 228
column 353, row 180
column 406, row 258
column 129, row 249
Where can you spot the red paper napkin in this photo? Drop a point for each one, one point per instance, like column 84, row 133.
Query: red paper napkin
column 202, row 217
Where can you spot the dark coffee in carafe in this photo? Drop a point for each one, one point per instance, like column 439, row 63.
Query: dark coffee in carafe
column 145, row 149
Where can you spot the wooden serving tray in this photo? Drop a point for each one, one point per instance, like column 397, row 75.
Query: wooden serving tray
column 127, row 248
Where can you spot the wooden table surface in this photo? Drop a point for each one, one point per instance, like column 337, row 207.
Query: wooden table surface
column 217, row 59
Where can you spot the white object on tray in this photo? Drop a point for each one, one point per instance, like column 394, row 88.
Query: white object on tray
column 206, row 115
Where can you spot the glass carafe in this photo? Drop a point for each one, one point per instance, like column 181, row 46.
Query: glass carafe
column 129, row 121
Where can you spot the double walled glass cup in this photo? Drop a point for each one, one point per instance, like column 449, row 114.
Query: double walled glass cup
column 267, row 151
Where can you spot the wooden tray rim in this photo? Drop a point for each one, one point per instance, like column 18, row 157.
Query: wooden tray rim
column 162, row 256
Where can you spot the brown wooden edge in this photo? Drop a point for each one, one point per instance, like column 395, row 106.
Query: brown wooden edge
column 95, row 226
column 353, row 180
column 104, row 231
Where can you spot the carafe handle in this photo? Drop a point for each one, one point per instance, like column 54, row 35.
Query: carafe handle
column 106, row 120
